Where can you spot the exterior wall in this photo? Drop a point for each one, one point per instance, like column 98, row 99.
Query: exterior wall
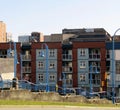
column 36, row 37
column 53, row 38
column 6, row 65
column 47, row 38
column 83, row 71
column 66, row 36
column 23, row 38
column 6, row 46
column 42, row 71
column 35, row 47
column 101, row 46
column 117, row 54
column 3, row 32
column 9, row 37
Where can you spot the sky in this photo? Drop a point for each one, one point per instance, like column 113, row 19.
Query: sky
column 51, row 16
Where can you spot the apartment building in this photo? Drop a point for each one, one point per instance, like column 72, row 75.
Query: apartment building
column 2, row 32
column 77, row 56
column 82, row 55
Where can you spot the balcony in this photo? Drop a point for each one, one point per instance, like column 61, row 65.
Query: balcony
column 67, row 69
column 94, row 69
column 26, row 57
column 94, row 56
column 68, row 82
column 66, row 57
column 26, row 69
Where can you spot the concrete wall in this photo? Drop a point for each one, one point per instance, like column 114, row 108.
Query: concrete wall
column 49, row 97
column 6, row 65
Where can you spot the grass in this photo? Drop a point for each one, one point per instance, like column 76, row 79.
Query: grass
column 28, row 102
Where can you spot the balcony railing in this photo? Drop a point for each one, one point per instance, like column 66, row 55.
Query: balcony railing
column 95, row 81
column 26, row 57
column 94, row 69
column 66, row 57
column 68, row 82
column 26, row 69
column 67, row 69
column 94, row 56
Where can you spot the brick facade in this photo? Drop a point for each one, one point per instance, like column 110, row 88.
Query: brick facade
column 102, row 47
column 35, row 46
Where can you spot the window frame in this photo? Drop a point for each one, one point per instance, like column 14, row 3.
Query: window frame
column 52, row 78
column 51, row 52
column 82, row 78
column 40, row 77
column 82, row 52
column 41, row 65
column 82, row 64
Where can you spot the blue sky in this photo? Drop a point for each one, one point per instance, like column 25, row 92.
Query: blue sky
column 51, row 16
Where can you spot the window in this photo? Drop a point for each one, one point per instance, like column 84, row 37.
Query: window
column 82, row 52
column 82, row 78
column 52, row 77
column 82, row 64
column 95, row 79
column 52, row 65
column 40, row 53
column 40, row 65
column 40, row 77
column 52, row 52
column 108, row 54
column 117, row 67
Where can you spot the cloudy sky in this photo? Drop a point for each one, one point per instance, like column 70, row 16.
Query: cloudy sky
column 51, row 16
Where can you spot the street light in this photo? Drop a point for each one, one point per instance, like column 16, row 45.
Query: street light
column 91, row 87
column 15, row 80
column 15, row 60
column 113, row 66
column 91, row 72
column 46, row 55
column 64, row 83
column 15, row 56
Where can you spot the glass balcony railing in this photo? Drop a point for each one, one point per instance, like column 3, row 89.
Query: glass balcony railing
column 67, row 69
column 94, row 56
column 26, row 69
column 66, row 57
column 26, row 57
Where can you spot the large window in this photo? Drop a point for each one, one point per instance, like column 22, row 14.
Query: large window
column 40, row 77
column 95, row 79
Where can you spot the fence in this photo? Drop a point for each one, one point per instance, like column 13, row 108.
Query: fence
column 23, row 84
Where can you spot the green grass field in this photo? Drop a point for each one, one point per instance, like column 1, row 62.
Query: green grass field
column 24, row 102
